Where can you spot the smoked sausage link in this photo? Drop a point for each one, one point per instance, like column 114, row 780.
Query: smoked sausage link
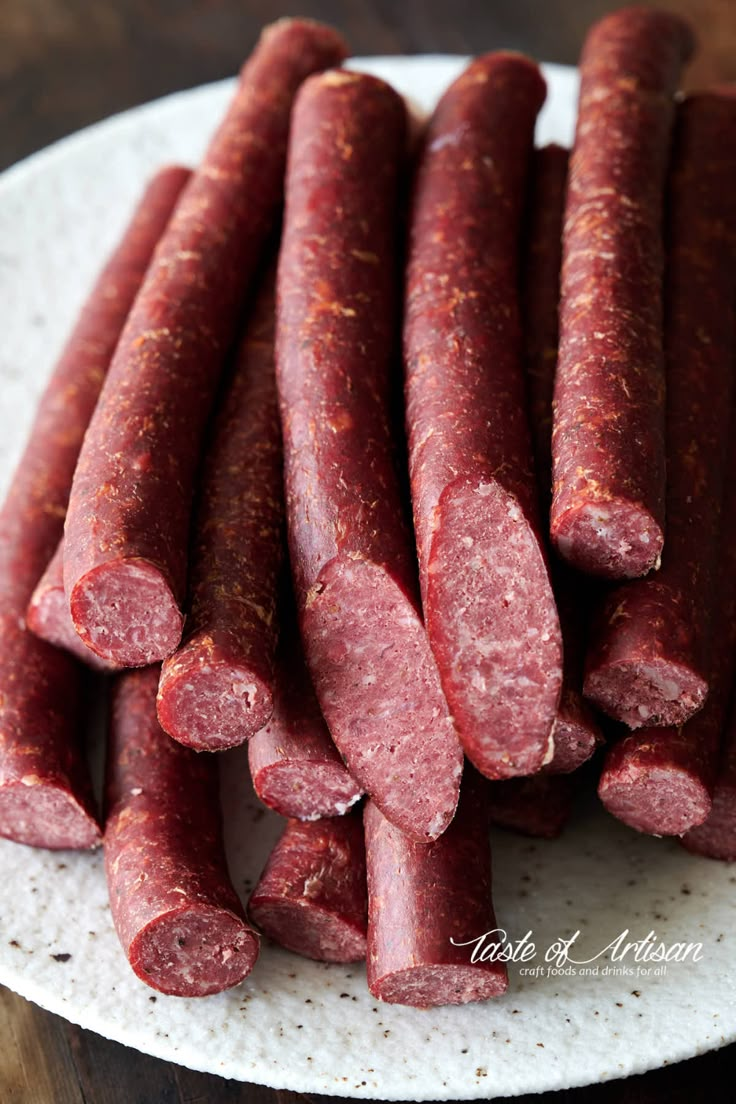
column 648, row 662
column 217, row 689
column 426, row 903
column 311, row 897
column 45, row 792
column 660, row 780
column 354, row 571
column 488, row 601
column 295, row 766
column 608, row 452
column 127, row 527
column 576, row 732
column 176, row 913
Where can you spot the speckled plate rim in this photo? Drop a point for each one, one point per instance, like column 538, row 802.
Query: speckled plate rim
column 296, row 1024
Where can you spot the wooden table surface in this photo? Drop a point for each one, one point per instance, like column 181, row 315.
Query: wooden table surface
column 67, row 63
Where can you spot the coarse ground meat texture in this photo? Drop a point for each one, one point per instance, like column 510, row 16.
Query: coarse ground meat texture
column 488, row 601
column 45, row 790
column 216, row 690
column 295, row 766
column 608, row 450
column 175, row 911
column 427, row 904
column 649, row 656
column 127, row 529
column 311, row 897
column 354, row 571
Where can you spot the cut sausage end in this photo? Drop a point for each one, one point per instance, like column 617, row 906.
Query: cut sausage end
column 380, row 692
column 614, row 539
column 658, row 693
column 209, row 703
column 307, row 929
column 432, row 986
column 576, row 734
column 194, row 951
column 39, row 814
column 495, row 632
column 306, row 790
column 656, row 800
column 126, row 613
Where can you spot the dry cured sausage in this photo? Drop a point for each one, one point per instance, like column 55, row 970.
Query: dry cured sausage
column 45, row 793
column 311, row 897
column 608, row 445
column 488, row 601
column 217, row 688
column 178, row 918
column 354, row 571
column 127, row 527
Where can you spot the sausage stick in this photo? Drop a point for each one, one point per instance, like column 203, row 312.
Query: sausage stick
column 129, row 512
column 576, row 732
column 177, row 916
column 648, row 661
column 217, row 689
column 355, row 578
column 311, row 897
column 426, row 903
column 295, row 766
column 45, row 794
column 608, row 452
column 488, row 601
column 660, row 780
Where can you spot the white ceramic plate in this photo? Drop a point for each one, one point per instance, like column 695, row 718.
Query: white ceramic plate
column 297, row 1024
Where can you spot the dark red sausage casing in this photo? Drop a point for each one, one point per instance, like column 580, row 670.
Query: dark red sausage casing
column 177, row 916
column 427, row 903
column 49, row 618
column 217, row 689
column 354, row 571
column 295, row 766
column 488, row 601
column 127, row 528
column 648, row 661
column 45, row 793
column 311, row 897
column 608, row 448
column 660, row 780
column 576, row 732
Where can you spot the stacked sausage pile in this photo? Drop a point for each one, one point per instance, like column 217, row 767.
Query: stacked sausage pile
column 222, row 383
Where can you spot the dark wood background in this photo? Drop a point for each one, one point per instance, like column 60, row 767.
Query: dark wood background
column 67, row 63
